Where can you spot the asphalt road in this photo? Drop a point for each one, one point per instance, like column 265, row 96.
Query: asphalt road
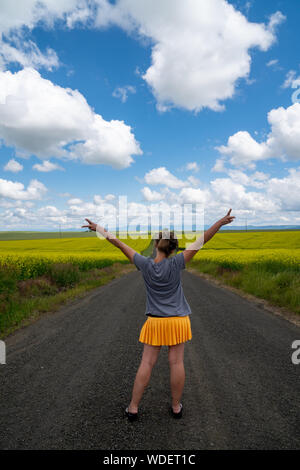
column 69, row 376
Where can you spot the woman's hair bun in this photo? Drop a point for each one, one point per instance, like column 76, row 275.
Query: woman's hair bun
column 166, row 241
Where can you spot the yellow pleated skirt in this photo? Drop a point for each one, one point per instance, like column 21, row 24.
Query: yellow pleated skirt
column 166, row 331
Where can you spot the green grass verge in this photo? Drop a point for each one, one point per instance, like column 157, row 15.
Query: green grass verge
column 27, row 300
column 278, row 284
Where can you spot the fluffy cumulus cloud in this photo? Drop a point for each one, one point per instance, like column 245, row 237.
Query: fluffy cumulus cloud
column 235, row 195
column 110, row 197
column 272, row 197
column 41, row 118
column 13, row 165
column 255, row 196
column 47, row 166
column 200, row 48
column 18, row 18
column 286, row 190
column 162, row 176
column 243, row 150
column 74, row 201
column 284, row 139
column 256, row 180
column 194, row 195
column 16, row 190
column 199, row 52
column 150, row 195
column 282, row 142
column 16, row 14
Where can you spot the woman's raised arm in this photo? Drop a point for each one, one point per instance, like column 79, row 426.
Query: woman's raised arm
column 193, row 248
column 127, row 250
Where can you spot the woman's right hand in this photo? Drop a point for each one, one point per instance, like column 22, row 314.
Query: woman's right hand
column 228, row 218
column 91, row 226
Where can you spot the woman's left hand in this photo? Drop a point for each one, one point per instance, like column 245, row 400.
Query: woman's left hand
column 228, row 218
column 91, row 226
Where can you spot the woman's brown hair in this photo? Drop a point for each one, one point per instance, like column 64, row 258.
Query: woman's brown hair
column 166, row 242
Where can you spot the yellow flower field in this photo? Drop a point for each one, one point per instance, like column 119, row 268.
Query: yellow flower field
column 37, row 274
column 31, row 258
column 264, row 264
column 233, row 250
column 243, row 248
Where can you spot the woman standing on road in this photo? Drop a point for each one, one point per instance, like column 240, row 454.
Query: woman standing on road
column 168, row 322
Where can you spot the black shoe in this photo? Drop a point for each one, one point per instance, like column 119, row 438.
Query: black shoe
column 131, row 416
column 177, row 415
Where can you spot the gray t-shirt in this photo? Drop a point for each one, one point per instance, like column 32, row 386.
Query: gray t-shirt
column 164, row 291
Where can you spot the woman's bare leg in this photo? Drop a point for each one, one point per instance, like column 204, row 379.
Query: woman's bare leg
column 149, row 358
column 177, row 374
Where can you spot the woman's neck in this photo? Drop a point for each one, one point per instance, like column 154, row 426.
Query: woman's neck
column 159, row 256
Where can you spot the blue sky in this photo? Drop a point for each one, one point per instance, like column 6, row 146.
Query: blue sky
column 167, row 120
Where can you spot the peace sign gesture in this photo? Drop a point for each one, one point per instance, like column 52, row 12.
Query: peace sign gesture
column 91, row 226
column 228, row 218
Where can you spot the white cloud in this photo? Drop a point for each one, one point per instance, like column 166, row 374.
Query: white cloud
column 272, row 201
column 106, row 199
column 47, row 166
column 16, row 190
column 13, row 165
column 265, row 203
column 282, row 142
column 193, row 181
column 163, row 176
column 41, row 118
column 286, row 190
column 256, row 180
column 122, row 92
column 272, row 62
column 269, row 201
column 235, row 195
column 18, row 18
column 291, row 80
column 81, row 14
column 49, row 212
column 284, row 138
column 193, row 195
column 16, row 14
column 74, row 201
column 200, row 48
column 109, row 197
column 192, row 166
column 275, row 20
column 219, row 166
column 98, row 199
column 150, row 195
column 13, row 203
column 243, row 149
column 27, row 54
column 247, row 6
